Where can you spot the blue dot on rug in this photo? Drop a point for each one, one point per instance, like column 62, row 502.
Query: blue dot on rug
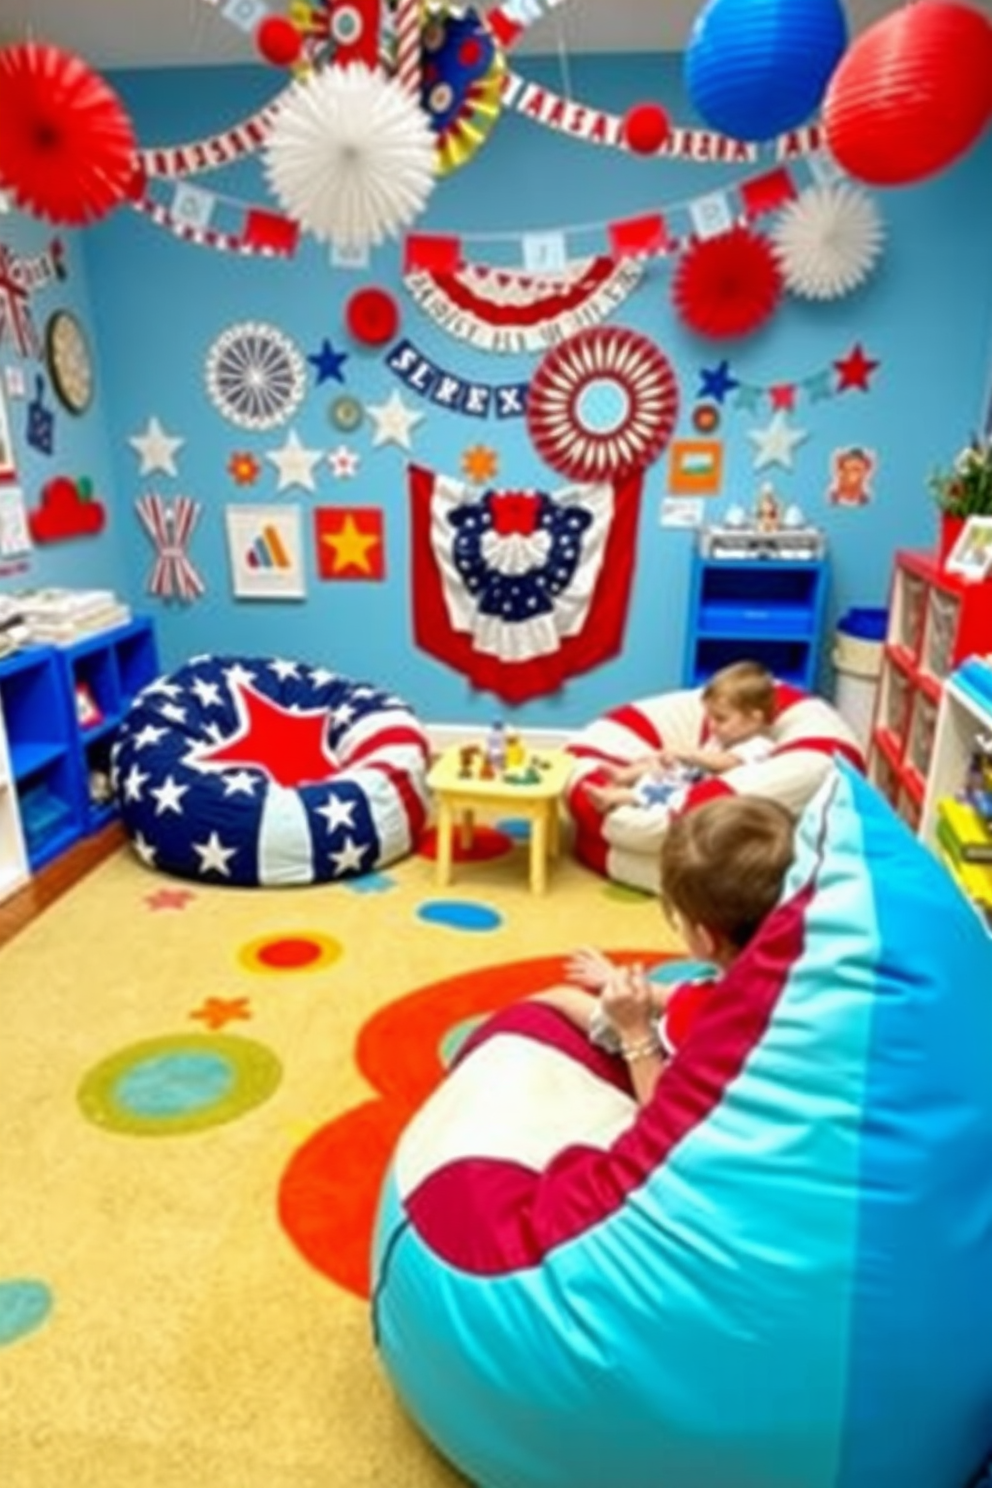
column 175, row 1083
column 24, row 1306
column 518, row 828
column 454, row 915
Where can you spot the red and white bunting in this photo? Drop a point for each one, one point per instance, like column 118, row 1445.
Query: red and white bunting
column 170, row 524
column 263, row 234
column 15, row 305
column 215, row 151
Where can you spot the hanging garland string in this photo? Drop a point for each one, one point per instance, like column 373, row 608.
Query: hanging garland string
column 261, row 234
column 213, row 152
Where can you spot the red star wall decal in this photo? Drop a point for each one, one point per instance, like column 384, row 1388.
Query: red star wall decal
column 289, row 746
column 854, row 370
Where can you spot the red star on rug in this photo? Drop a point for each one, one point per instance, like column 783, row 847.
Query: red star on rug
column 217, row 1012
column 169, row 899
column 290, row 747
column 854, row 370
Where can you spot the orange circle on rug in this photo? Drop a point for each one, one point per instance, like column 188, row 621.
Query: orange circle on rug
column 486, row 843
column 275, row 955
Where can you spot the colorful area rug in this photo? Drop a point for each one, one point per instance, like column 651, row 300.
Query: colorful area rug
column 199, row 1092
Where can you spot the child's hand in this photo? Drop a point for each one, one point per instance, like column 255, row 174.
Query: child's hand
column 630, row 1002
column 590, row 969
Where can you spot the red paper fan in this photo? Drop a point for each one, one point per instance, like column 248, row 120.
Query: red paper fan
column 67, row 149
column 728, row 285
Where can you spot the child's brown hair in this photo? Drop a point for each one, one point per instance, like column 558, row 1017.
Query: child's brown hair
column 746, row 686
column 724, row 863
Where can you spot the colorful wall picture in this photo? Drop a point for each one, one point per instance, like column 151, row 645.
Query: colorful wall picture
column 266, row 548
column 971, row 556
column 15, row 535
column 695, row 467
column 851, row 479
column 350, row 542
column 8, row 466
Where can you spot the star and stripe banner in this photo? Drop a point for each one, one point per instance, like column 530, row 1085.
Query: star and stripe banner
column 520, row 590
column 191, row 215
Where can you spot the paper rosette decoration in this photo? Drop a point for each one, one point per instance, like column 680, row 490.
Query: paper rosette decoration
column 828, row 240
column 462, row 78
column 372, row 316
column 350, row 156
column 602, row 404
column 728, row 285
column 67, row 148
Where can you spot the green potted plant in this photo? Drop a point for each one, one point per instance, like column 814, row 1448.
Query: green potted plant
column 963, row 491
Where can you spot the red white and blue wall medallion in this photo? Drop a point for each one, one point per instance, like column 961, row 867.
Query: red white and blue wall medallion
column 602, row 404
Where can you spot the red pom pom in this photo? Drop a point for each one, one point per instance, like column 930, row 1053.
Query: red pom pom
column 911, row 94
column 372, row 317
column 67, row 148
column 646, row 127
column 278, row 41
column 728, row 285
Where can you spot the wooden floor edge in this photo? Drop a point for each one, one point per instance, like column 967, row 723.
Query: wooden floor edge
column 57, row 879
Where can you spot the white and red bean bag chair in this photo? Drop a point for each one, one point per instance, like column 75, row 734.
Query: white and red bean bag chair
column 808, row 735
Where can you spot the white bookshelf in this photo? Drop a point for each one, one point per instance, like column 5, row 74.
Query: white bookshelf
column 964, row 714
column 13, row 858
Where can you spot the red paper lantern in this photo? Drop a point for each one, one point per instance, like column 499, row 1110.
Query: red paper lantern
column 646, row 127
column 728, row 285
column 912, row 94
column 278, row 41
column 372, row 317
column 67, row 148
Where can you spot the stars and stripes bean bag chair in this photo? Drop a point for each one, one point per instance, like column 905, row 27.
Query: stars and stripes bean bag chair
column 777, row 1272
column 623, row 844
column 262, row 771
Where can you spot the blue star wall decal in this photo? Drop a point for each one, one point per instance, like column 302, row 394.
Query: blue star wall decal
column 716, row 382
column 328, row 362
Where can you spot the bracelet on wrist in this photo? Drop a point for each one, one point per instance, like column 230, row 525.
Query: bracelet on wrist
column 644, row 1048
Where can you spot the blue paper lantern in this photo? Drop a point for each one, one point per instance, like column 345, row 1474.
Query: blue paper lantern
column 756, row 68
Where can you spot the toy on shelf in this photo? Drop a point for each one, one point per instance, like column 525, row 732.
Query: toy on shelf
column 978, row 783
column 503, row 757
column 769, row 531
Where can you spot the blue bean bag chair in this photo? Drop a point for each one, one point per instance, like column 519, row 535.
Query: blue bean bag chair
column 261, row 771
column 776, row 1275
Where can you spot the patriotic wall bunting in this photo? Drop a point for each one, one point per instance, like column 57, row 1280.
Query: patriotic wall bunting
column 457, row 394
column 20, row 276
column 504, row 310
column 520, row 590
column 191, row 214
column 169, row 524
column 851, row 372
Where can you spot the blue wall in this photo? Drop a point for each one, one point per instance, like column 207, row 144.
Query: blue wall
column 158, row 305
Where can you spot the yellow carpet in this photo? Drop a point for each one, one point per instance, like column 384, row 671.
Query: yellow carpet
column 160, row 1326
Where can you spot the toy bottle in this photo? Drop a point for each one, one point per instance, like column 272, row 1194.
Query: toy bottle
column 496, row 747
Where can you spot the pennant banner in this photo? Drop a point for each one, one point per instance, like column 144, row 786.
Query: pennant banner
column 501, row 310
column 170, row 524
column 458, row 394
column 598, row 127
column 190, row 213
column 217, row 150
column 520, row 590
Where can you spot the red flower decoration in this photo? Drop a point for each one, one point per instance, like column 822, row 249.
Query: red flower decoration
column 728, row 285
column 372, row 316
column 66, row 144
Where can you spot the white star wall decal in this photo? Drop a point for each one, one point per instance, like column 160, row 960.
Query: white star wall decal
column 156, row 449
column 776, row 443
column 295, row 463
column 394, row 422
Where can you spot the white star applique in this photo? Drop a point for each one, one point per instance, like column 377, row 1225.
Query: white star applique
column 295, row 463
column 237, row 675
column 144, row 850
column 349, row 857
column 134, row 782
column 284, row 669
column 344, row 462
column 207, row 693
column 239, row 783
column 320, row 676
column 214, row 855
column 163, row 685
column 776, row 442
column 394, row 422
column 173, row 712
column 149, row 735
column 168, row 796
column 157, row 449
column 338, row 813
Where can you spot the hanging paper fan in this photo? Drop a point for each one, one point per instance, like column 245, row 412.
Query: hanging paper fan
column 828, row 240
column 463, row 72
column 67, row 149
column 728, row 285
column 602, row 404
column 350, row 156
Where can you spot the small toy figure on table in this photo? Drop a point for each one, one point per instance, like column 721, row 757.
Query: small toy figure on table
column 496, row 748
column 767, row 510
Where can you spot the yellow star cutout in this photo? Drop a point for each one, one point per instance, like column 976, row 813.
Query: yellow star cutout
column 351, row 546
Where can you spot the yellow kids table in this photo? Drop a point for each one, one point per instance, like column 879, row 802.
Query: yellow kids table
column 532, row 790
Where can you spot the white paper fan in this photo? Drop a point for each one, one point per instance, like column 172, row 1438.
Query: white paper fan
column 351, row 156
column 828, row 240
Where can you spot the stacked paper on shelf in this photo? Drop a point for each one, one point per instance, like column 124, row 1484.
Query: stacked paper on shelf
column 14, row 631
column 60, row 616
